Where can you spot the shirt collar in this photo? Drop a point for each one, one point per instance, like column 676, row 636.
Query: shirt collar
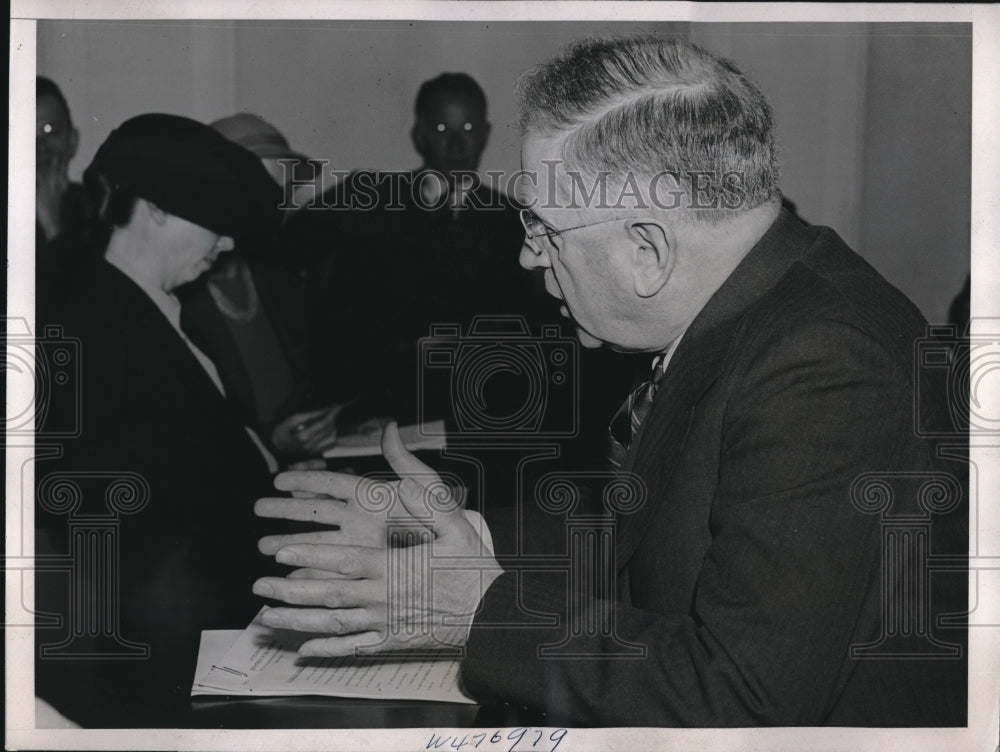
column 432, row 188
column 435, row 189
column 662, row 360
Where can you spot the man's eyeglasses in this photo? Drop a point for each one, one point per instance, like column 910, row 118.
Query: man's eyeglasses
column 536, row 229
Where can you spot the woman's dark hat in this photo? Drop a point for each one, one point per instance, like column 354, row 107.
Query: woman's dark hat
column 189, row 170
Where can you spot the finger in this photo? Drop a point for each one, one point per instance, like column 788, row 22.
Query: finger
column 323, row 446
column 314, row 430
column 309, row 494
column 421, row 489
column 315, row 574
column 336, row 408
column 378, row 540
column 269, row 544
column 299, row 421
column 322, row 415
column 317, row 422
column 320, row 442
column 338, row 485
column 363, row 643
column 416, row 478
column 332, row 413
column 325, row 511
column 326, row 593
column 350, row 561
column 326, row 442
column 339, row 621
column 400, row 459
column 315, row 463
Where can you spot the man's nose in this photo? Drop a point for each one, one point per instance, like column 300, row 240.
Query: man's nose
column 224, row 244
column 530, row 258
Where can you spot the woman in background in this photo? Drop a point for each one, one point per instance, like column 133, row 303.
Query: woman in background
column 172, row 195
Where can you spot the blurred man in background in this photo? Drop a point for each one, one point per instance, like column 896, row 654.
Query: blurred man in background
column 62, row 210
column 405, row 250
column 58, row 202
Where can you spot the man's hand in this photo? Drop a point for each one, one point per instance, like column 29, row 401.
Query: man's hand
column 356, row 508
column 404, row 570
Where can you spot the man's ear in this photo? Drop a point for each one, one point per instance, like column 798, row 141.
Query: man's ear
column 654, row 254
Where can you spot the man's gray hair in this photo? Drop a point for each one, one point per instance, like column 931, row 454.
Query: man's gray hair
column 646, row 105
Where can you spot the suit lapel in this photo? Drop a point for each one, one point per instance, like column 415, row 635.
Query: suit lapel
column 696, row 365
column 660, row 442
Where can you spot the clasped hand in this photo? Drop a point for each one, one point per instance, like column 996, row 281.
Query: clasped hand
column 307, row 433
column 403, row 567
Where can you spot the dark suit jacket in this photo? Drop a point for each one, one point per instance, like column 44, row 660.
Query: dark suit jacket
column 188, row 558
column 748, row 573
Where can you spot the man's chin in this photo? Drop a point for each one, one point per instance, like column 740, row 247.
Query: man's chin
column 587, row 339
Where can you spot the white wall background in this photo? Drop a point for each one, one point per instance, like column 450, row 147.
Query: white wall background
column 873, row 119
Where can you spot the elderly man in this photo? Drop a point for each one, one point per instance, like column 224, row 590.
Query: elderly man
column 750, row 582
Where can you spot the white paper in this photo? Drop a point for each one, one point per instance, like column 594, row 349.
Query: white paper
column 214, row 643
column 264, row 662
column 415, row 437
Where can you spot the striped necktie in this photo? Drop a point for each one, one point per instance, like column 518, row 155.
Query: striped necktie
column 625, row 425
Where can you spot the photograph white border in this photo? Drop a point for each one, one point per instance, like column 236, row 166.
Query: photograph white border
column 984, row 694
